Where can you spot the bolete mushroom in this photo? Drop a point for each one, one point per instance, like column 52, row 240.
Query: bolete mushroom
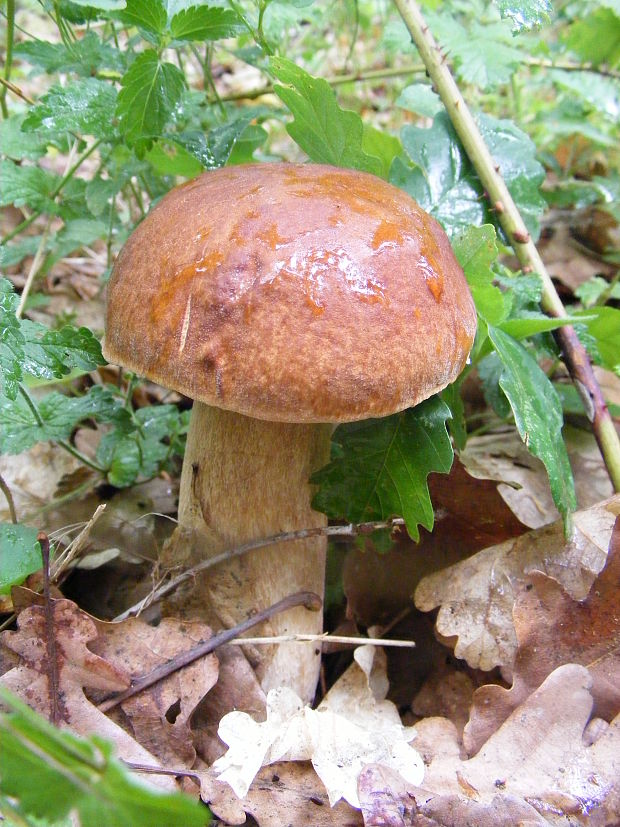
column 282, row 299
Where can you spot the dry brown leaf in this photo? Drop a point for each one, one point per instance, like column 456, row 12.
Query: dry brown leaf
column 159, row 716
column 537, row 758
column 33, row 477
column 522, row 478
column 477, row 595
column 75, row 667
column 469, row 515
column 282, row 794
column 388, row 802
column 553, row 629
column 446, row 693
column 237, row 687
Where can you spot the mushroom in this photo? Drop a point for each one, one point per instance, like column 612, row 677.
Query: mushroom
column 282, row 299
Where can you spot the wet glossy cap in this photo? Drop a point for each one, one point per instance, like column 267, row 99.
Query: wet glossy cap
column 298, row 293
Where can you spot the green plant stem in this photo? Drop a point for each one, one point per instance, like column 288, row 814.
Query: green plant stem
column 256, row 33
column 575, row 356
column 8, row 60
column 9, row 498
column 61, row 442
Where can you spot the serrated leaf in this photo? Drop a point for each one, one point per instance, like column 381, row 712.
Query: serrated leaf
column 379, row 467
column 53, row 354
column 12, row 341
column 83, row 56
column 444, row 183
column 325, row 132
column 27, row 186
column 538, row 416
column 86, row 106
column 212, row 149
column 20, row 554
column 525, row 15
column 140, row 452
column 81, row 775
column 20, row 428
column 149, row 15
column 205, row 23
column 483, row 54
column 151, row 90
column 20, row 145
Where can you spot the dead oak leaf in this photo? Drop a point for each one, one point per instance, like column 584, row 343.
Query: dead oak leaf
column 536, row 769
column 477, row 595
column 553, row 629
column 56, row 675
column 159, row 716
column 282, row 794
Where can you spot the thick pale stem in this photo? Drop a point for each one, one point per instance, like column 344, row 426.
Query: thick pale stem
column 244, row 479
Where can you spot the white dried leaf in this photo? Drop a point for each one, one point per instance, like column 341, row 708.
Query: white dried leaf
column 350, row 729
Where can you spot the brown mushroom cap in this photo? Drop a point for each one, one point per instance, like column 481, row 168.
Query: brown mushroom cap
column 297, row 293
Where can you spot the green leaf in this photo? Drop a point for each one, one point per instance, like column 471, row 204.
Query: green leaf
column 141, row 452
column 444, row 183
column 590, row 291
column 420, row 98
column 538, row 416
column 381, row 145
column 59, row 415
column 442, row 180
column 151, row 91
column 484, row 54
column 12, row 341
column 596, row 38
column 534, row 323
column 325, row 132
column 604, row 329
column 149, row 15
column 252, row 137
column 84, row 56
column 86, row 106
column 525, row 15
column 213, row 149
column 476, row 250
column 20, row 145
column 28, row 347
column 169, row 158
column 20, row 554
column 52, row 354
column 80, row 774
column 597, row 91
column 379, row 467
column 27, row 186
column 205, row 23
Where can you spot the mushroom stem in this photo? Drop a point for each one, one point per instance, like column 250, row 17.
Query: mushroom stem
column 244, row 479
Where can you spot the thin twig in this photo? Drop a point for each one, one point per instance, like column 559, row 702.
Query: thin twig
column 53, row 688
column 349, row 530
column 311, row 601
column 7, row 84
column 336, row 80
column 574, row 353
column 9, row 498
column 325, row 638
